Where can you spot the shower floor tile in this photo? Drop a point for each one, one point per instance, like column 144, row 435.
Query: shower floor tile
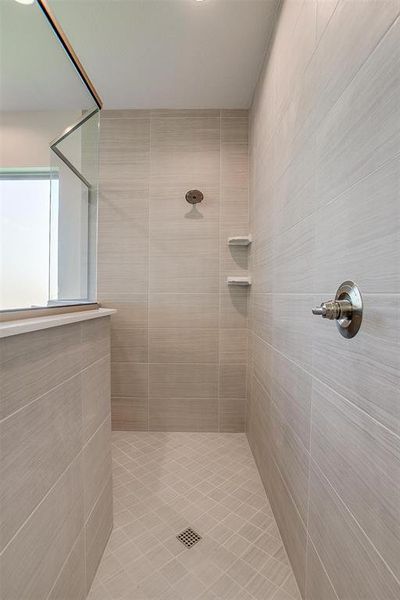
column 167, row 482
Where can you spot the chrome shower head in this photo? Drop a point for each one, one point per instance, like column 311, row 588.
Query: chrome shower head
column 194, row 196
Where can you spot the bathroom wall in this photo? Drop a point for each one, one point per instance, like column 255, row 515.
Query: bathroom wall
column 323, row 411
column 55, row 468
column 26, row 135
column 179, row 339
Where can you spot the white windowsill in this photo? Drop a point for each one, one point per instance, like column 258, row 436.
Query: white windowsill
column 9, row 328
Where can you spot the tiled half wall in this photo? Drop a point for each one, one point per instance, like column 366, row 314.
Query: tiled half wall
column 55, row 468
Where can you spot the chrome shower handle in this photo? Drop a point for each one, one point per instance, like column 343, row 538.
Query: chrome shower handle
column 334, row 309
column 345, row 309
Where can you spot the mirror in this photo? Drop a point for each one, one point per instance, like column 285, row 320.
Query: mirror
column 49, row 129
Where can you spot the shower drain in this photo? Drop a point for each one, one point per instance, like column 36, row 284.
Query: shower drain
column 189, row 537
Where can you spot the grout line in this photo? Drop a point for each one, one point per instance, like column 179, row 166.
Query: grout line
column 236, row 557
column 284, row 106
column 148, row 267
column 219, row 277
column 309, row 541
column 309, row 488
column 291, row 500
column 316, row 378
column 352, row 516
column 75, row 459
column 53, row 389
column 98, row 498
column 68, row 557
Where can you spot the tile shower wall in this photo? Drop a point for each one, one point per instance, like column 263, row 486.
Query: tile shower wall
column 179, row 339
column 323, row 412
column 55, row 468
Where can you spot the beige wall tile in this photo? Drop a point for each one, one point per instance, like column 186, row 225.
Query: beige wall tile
column 97, row 531
column 260, row 314
column 233, row 346
column 186, row 273
column 37, row 445
column 186, row 224
column 183, row 414
column 45, row 540
column 183, row 310
column 292, row 256
column 95, row 340
column 119, row 276
column 233, row 308
column 325, row 10
column 129, row 379
column 361, row 460
column 96, row 465
column 295, row 340
column 59, row 406
column 368, row 247
column 294, row 194
column 287, row 384
column 232, row 381
column 317, row 584
column 131, row 311
column 183, row 381
column 343, row 49
column 125, row 152
column 129, row 414
column 291, row 458
column 96, row 395
column 129, row 345
column 361, row 132
column 232, row 414
column 166, row 113
column 149, row 161
column 323, row 143
column 291, row 526
column 234, row 211
column 370, row 365
column 338, row 539
column 34, row 363
column 181, row 345
column 119, row 204
column 71, row 584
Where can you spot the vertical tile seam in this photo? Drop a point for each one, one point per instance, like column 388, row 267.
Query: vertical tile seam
column 219, row 276
column 249, row 269
column 308, row 539
column 82, row 532
column 310, row 542
column 148, row 266
column 315, row 377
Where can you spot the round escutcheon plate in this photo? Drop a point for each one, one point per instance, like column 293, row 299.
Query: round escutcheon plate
column 194, row 196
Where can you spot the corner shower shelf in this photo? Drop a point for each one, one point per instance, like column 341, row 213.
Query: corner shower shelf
column 243, row 281
column 240, row 240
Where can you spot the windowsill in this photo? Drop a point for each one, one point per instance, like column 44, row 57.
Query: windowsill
column 9, row 328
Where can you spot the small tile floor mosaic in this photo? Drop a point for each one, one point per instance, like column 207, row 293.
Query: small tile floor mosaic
column 165, row 482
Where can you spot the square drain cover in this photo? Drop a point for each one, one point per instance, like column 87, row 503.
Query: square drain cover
column 189, row 537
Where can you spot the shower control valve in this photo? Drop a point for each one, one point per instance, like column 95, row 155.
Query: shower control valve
column 346, row 309
column 334, row 309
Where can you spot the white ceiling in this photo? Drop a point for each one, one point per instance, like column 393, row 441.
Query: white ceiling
column 170, row 53
column 35, row 72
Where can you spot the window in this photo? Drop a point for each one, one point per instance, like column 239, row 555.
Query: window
column 24, row 238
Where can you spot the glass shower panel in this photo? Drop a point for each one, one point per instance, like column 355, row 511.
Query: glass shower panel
column 74, row 213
